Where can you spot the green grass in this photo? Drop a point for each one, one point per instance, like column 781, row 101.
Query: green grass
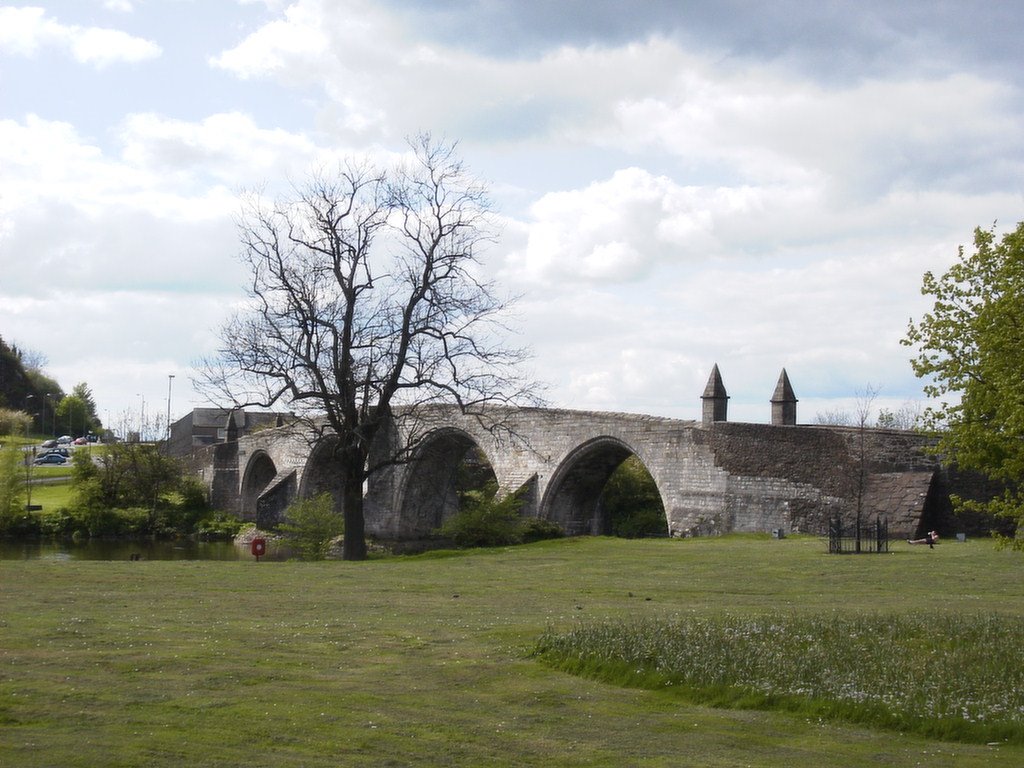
column 53, row 496
column 427, row 660
column 57, row 490
column 952, row 676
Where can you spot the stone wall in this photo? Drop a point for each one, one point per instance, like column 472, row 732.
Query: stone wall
column 713, row 478
column 801, row 477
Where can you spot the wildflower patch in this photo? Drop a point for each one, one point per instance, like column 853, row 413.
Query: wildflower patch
column 951, row 676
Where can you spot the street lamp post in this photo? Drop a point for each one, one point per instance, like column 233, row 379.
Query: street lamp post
column 170, row 379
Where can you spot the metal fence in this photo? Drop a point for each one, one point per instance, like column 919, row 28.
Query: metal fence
column 852, row 540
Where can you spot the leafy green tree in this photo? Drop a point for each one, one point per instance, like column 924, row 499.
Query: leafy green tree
column 632, row 502
column 49, row 394
column 12, row 485
column 90, row 491
column 131, row 488
column 125, row 476
column 971, row 356
column 72, row 415
column 84, row 393
column 311, row 526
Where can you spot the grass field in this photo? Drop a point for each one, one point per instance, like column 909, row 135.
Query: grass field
column 427, row 660
column 52, row 496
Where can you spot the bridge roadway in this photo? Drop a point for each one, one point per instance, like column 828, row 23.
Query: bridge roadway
column 712, row 477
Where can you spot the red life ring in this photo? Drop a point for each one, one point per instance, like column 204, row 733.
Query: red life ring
column 259, row 547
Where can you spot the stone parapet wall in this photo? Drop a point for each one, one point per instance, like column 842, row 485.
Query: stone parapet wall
column 713, row 478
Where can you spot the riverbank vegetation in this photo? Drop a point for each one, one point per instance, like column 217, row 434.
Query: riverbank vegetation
column 428, row 660
column 119, row 490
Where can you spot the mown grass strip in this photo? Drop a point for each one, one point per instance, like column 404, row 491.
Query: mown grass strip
column 951, row 676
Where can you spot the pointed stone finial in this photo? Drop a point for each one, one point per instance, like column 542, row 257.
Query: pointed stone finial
column 715, row 400
column 232, row 430
column 784, row 402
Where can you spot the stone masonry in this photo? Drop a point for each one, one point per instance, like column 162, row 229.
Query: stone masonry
column 713, row 476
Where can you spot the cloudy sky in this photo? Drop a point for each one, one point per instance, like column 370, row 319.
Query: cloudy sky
column 760, row 185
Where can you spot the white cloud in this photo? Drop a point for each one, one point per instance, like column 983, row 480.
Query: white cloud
column 23, row 31
column 612, row 231
column 757, row 284
column 285, row 47
column 778, row 137
column 860, row 141
column 228, row 147
column 103, row 47
column 381, row 78
column 47, row 162
column 682, row 206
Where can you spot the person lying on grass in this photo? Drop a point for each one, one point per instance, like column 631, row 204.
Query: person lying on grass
column 931, row 539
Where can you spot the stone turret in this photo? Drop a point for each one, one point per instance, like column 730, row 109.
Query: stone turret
column 715, row 400
column 231, row 433
column 783, row 402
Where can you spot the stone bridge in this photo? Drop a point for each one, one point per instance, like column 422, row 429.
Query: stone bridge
column 713, row 476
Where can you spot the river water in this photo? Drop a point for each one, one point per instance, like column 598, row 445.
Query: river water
column 125, row 550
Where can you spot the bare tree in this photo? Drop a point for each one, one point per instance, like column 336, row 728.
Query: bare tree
column 31, row 359
column 367, row 296
column 834, row 417
column 907, row 417
column 865, row 403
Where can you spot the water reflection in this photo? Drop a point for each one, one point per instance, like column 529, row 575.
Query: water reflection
column 125, row 550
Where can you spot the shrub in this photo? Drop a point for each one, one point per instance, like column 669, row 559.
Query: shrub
column 103, row 522
column 14, row 422
column 219, row 526
column 311, row 525
column 193, row 493
column 485, row 521
column 640, row 524
column 21, row 525
column 537, row 529
column 56, row 523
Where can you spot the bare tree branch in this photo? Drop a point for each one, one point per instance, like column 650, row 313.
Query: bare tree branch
column 364, row 298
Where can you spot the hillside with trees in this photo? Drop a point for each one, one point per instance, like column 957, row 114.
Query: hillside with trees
column 26, row 389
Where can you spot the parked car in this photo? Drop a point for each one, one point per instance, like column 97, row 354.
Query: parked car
column 51, row 458
column 48, row 444
column 62, row 451
column 80, row 441
column 65, row 440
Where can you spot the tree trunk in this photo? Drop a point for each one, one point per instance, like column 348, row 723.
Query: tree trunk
column 354, row 544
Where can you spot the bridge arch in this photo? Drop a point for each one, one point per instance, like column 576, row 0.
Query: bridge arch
column 260, row 471
column 573, row 495
column 444, row 462
column 266, row 491
column 321, row 472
